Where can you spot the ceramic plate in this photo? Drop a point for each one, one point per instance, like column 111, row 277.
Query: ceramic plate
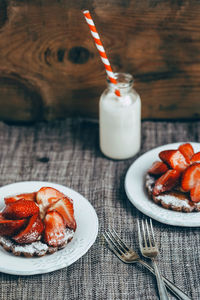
column 84, row 237
column 136, row 191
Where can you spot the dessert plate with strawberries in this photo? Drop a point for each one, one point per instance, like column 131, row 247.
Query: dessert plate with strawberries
column 164, row 184
column 43, row 227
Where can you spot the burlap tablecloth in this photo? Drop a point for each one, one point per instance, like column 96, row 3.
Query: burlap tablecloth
column 67, row 152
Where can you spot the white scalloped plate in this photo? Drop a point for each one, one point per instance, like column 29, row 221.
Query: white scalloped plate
column 84, row 237
column 136, row 192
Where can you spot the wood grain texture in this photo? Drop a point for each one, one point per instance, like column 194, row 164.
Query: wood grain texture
column 50, row 68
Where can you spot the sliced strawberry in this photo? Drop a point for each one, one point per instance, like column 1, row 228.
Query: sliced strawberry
column 11, row 227
column 174, row 158
column 20, row 209
column 158, row 168
column 31, row 233
column 54, row 233
column 166, row 182
column 195, row 193
column 47, row 196
column 65, row 207
column 27, row 196
column 196, row 157
column 191, row 177
column 187, row 151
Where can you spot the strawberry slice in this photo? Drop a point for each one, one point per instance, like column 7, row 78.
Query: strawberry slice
column 191, row 177
column 158, row 168
column 166, row 182
column 31, row 233
column 195, row 193
column 11, row 227
column 196, row 157
column 47, row 196
column 54, row 233
column 187, row 151
column 65, row 208
column 174, row 158
column 27, row 196
column 20, row 209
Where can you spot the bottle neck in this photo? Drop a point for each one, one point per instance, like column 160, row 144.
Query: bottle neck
column 124, row 83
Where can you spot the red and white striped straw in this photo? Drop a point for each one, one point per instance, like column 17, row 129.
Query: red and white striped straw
column 101, row 50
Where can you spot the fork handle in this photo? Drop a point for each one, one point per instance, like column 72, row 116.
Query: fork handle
column 161, row 286
column 174, row 289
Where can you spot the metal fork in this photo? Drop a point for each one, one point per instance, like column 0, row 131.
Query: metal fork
column 129, row 256
column 149, row 249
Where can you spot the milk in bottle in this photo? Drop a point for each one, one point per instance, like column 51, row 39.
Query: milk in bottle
column 120, row 119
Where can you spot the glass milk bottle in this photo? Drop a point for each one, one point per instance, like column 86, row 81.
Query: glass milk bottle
column 120, row 119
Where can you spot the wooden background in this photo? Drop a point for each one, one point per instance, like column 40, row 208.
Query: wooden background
column 50, row 68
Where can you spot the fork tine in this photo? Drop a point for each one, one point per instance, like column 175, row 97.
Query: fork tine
column 119, row 243
column 114, row 242
column 148, row 233
column 122, row 244
column 153, row 236
column 112, row 247
column 139, row 235
column 144, row 234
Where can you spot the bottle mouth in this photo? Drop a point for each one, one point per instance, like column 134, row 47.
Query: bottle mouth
column 124, row 80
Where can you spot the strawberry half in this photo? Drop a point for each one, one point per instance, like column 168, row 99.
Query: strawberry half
column 195, row 193
column 45, row 197
column 187, row 151
column 27, row 196
column 65, row 208
column 196, row 157
column 158, row 168
column 20, row 209
column 31, row 233
column 175, row 159
column 11, row 227
column 54, row 233
column 191, row 177
column 166, row 182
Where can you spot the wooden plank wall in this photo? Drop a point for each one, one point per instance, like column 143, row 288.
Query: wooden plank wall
column 50, row 68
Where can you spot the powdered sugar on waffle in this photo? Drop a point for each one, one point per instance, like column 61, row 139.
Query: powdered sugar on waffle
column 150, row 181
column 37, row 248
column 55, row 236
column 175, row 200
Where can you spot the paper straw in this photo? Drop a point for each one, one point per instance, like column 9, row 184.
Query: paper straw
column 101, row 50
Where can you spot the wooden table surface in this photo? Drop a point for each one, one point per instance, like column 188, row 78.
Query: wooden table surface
column 50, row 68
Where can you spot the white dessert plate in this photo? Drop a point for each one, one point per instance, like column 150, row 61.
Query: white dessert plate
column 137, row 194
column 84, row 237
